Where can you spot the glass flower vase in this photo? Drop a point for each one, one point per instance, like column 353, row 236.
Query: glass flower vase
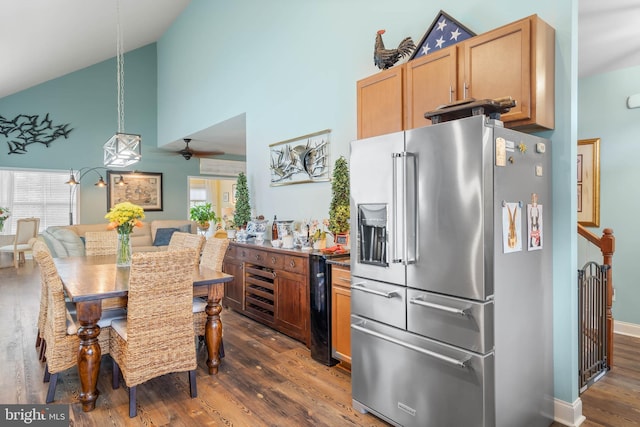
column 123, row 253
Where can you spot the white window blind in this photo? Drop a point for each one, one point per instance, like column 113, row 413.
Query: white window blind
column 41, row 194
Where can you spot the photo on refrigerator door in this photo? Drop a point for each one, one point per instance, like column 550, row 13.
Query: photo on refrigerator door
column 534, row 226
column 512, row 227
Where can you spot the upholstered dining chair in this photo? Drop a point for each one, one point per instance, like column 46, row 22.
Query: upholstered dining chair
column 60, row 325
column 26, row 232
column 100, row 243
column 212, row 257
column 156, row 338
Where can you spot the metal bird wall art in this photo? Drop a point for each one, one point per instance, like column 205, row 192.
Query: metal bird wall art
column 25, row 130
column 386, row 58
column 309, row 159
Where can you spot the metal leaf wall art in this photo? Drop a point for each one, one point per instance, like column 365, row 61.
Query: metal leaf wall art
column 302, row 159
column 25, row 130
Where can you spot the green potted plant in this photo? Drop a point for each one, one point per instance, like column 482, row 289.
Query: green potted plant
column 242, row 213
column 203, row 214
column 339, row 210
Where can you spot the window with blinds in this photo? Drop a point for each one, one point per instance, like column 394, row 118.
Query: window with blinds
column 41, row 194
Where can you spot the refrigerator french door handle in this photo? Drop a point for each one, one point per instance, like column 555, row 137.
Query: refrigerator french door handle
column 404, row 210
column 359, row 287
column 396, row 244
column 423, row 303
column 442, row 357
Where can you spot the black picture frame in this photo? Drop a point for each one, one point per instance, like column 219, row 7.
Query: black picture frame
column 465, row 33
column 141, row 188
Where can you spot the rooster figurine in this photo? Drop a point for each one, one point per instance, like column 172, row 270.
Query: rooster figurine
column 385, row 58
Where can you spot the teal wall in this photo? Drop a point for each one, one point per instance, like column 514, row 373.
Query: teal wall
column 86, row 99
column 603, row 113
column 292, row 67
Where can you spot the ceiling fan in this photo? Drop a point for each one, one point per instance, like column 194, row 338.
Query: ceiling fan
column 188, row 152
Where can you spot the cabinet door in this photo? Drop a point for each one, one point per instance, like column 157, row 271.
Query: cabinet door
column 431, row 81
column 380, row 103
column 233, row 290
column 341, row 314
column 292, row 305
column 498, row 64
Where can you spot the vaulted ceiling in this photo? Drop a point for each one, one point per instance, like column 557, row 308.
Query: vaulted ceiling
column 43, row 39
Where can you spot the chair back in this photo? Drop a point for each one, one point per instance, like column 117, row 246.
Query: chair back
column 39, row 246
column 26, row 229
column 180, row 240
column 160, row 335
column 213, row 253
column 101, row 243
column 55, row 329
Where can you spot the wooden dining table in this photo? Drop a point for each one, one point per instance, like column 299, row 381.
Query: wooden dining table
column 90, row 279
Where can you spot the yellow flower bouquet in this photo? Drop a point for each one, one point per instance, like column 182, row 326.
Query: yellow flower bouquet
column 123, row 217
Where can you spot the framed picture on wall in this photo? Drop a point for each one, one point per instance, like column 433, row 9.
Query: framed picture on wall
column 588, row 182
column 141, row 188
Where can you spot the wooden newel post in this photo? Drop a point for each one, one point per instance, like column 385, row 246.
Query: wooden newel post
column 608, row 247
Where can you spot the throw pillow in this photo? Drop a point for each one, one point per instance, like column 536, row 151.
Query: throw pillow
column 163, row 236
column 185, row 228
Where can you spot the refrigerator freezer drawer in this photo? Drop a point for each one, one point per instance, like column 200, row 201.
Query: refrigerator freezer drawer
column 463, row 323
column 413, row 381
column 381, row 301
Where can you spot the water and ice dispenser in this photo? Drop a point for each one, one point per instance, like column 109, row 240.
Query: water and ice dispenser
column 372, row 226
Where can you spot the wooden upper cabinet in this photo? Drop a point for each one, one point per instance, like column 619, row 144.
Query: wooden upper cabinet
column 431, row 81
column 380, row 103
column 516, row 60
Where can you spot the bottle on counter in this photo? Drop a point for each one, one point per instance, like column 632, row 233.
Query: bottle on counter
column 274, row 229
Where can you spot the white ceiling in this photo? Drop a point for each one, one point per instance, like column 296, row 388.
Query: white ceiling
column 44, row 39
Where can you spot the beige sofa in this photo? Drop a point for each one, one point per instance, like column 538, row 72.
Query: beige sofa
column 68, row 240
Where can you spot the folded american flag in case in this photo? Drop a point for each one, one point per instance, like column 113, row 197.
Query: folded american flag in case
column 443, row 32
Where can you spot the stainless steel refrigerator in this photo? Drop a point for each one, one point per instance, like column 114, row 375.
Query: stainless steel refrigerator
column 451, row 292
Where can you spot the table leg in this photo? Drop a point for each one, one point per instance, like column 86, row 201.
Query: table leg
column 213, row 334
column 89, row 352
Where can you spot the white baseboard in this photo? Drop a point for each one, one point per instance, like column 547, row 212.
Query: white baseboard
column 625, row 328
column 568, row 414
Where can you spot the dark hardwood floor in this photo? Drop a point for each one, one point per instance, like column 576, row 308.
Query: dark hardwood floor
column 614, row 401
column 266, row 378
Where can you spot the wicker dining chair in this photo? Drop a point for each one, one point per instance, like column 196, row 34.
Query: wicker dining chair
column 212, row 257
column 26, row 233
column 60, row 325
column 42, row 314
column 156, row 338
column 180, row 240
column 100, row 243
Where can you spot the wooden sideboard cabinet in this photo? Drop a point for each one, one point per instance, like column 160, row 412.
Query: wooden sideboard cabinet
column 271, row 286
column 233, row 290
column 341, row 313
column 516, row 60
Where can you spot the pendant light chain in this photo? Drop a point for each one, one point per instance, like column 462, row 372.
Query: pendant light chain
column 120, row 71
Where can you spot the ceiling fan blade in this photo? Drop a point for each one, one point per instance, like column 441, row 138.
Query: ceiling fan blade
column 206, row 153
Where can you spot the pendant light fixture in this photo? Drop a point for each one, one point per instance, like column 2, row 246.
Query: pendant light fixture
column 122, row 149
